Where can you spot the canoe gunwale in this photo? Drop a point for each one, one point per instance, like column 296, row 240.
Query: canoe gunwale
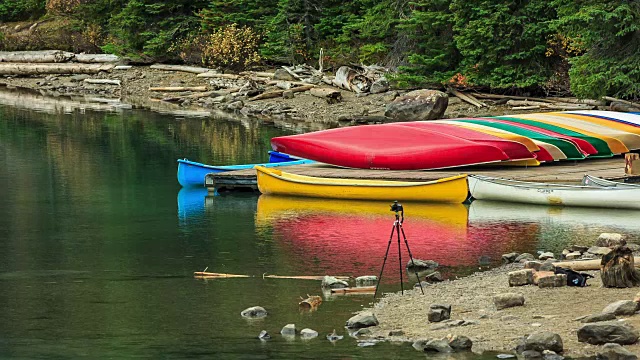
column 534, row 185
column 357, row 182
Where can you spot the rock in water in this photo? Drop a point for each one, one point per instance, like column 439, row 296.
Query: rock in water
column 364, row 319
column 421, row 265
column 542, row 341
column 418, row 105
column 611, row 332
column 439, row 312
column 613, row 351
column 333, row 283
column 254, row 312
column 441, row 345
column 308, row 333
column 622, row 307
column 334, row 337
column 264, row 335
column 288, row 330
column 366, row 280
column 503, row 301
column 460, row 342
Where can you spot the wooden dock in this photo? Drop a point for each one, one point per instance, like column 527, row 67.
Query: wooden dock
column 561, row 172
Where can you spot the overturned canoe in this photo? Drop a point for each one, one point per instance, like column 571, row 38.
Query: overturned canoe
column 387, row 146
column 448, row 190
column 488, row 188
column 191, row 173
column 589, row 180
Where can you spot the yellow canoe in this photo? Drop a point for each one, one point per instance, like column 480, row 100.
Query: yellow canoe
column 448, row 190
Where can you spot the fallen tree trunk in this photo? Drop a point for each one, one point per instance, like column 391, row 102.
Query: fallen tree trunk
column 608, row 98
column 617, row 269
column 257, row 73
column 363, row 289
column 550, row 106
column 500, row 97
column 192, row 96
column 45, row 56
column 330, row 95
column 585, row 265
column 466, row 98
column 581, row 101
column 178, row 88
column 182, row 68
column 534, row 107
column 210, row 275
column 96, row 58
column 102, row 81
column 278, row 93
column 212, row 74
column 349, row 79
column 42, row 69
column 303, row 277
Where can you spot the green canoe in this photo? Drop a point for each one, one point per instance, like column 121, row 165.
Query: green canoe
column 570, row 150
column 603, row 149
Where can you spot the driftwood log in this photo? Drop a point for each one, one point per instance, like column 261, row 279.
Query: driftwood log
column 96, row 58
column 586, row 265
column 303, row 277
column 355, row 290
column 42, row 69
column 45, row 56
column 466, row 98
column 332, row 96
column 182, row 68
column 278, row 93
column 349, row 79
column 178, row 88
column 617, row 269
column 212, row 275
column 311, row 302
column 212, row 74
column 102, row 81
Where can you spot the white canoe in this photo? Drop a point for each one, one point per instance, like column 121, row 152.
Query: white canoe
column 592, row 181
column 488, row 188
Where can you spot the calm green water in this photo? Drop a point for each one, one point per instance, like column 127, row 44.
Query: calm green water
column 98, row 244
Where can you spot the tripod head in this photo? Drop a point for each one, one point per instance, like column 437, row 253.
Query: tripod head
column 399, row 210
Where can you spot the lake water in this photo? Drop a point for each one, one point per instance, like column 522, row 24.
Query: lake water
column 98, row 243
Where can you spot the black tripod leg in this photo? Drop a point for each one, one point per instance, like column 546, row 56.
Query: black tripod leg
column 400, row 257
column 384, row 261
column 411, row 257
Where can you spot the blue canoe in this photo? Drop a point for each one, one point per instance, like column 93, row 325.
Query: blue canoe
column 276, row 157
column 191, row 173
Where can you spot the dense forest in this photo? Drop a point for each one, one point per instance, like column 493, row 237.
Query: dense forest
column 588, row 47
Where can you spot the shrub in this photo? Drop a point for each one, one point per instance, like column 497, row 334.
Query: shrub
column 231, row 47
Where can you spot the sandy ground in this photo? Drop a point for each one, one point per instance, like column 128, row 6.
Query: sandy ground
column 547, row 309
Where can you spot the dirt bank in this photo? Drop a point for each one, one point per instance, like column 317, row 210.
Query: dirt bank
column 550, row 309
column 303, row 108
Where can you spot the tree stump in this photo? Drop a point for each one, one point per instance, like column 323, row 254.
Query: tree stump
column 617, row 268
column 311, row 302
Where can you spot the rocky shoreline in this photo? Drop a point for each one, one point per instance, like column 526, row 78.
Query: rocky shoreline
column 474, row 314
column 131, row 86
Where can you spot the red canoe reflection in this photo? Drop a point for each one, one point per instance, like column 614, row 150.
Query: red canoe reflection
column 351, row 237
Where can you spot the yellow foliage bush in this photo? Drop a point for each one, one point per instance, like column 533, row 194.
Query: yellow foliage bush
column 62, row 6
column 231, row 47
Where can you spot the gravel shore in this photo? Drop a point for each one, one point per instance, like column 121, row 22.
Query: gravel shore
column 546, row 309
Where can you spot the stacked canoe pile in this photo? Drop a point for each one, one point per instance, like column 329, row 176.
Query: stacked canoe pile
column 516, row 140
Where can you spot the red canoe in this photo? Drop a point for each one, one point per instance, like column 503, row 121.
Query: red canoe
column 387, row 146
column 513, row 149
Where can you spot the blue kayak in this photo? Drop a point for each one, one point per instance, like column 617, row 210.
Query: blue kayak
column 275, row 157
column 191, row 173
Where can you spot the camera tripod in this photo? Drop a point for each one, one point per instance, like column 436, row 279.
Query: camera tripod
column 397, row 228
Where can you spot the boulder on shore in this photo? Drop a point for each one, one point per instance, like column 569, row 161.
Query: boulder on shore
column 608, row 332
column 521, row 277
column 613, row 351
column 363, row 319
column 509, row 258
column 542, row 341
column 507, row 300
column 418, row 105
column 439, row 312
column 622, row 307
column 333, row 283
column 610, row 239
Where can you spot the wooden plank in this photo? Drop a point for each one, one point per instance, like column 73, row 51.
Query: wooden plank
column 632, row 164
